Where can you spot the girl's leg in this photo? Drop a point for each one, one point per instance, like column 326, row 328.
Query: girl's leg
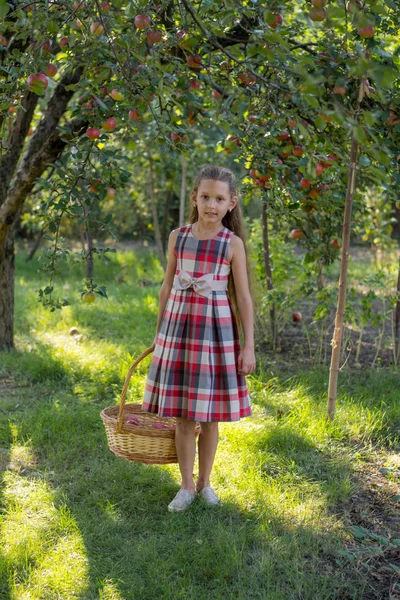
column 208, row 441
column 185, row 442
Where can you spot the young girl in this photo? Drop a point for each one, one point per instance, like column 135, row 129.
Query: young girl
column 198, row 369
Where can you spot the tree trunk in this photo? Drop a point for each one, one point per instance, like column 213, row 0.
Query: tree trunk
column 397, row 318
column 183, row 192
column 164, row 233
column 268, row 271
column 35, row 246
column 157, row 232
column 7, row 291
column 339, row 319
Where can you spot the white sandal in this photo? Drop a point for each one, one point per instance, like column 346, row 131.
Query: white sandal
column 209, row 496
column 182, row 501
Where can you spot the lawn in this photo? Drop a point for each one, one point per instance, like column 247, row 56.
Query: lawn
column 310, row 508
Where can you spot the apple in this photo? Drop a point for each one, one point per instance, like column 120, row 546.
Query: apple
column 64, row 42
column 51, row 70
column 319, row 169
column 105, row 6
column 133, row 114
column 96, row 28
column 246, row 78
column 12, row 110
column 79, row 24
column 276, row 20
column 305, row 183
column 336, row 244
column 314, row 193
column 291, row 122
column 46, row 46
column 89, row 297
column 93, row 133
column 30, row 131
column 153, row 37
column 178, row 137
column 298, row 151
column 142, row 22
column 283, row 136
column 297, row 316
column 193, row 61
column 216, row 94
column 366, row 32
column 37, row 83
column 340, row 90
column 109, row 124
column 296, row 234
column 3, row 41
column 79, row 5
column 116, row 94
column 319, row 3
column 110, row 193
column 194, row 84
column 317, row 14
column 354, row 6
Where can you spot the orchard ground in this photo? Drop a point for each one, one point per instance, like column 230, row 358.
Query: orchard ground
column 310, row 508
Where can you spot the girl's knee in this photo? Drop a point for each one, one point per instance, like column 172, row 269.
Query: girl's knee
column 185, row 425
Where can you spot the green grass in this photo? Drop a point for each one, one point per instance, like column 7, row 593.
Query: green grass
column 78, row 522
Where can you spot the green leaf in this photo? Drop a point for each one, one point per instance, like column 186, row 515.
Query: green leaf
column 359, row 134
column 395, row 498
column 52, row 27
column 384, row 76
column 364, row 161
column 4, row 8
column 311, row 101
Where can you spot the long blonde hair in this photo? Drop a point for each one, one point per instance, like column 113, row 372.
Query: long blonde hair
column 233, row 220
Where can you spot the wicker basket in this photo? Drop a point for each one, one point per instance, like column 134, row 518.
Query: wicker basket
column 141, row 443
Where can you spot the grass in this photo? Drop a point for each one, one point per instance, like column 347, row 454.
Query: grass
column 78, row 522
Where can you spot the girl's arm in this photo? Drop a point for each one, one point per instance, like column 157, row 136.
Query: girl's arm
column 247, row 361
column 168, row 279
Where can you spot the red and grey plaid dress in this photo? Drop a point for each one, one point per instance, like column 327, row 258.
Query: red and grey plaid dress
column 193, row 372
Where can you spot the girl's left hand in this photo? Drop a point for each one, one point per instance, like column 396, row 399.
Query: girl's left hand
column 246, row 362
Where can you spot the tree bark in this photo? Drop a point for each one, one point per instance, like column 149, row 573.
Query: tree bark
column 397, row 318
column 339, row 319
column 7, row 292
column 268, row 271
column 157, row 232
column 183, row 192
column 43, row 149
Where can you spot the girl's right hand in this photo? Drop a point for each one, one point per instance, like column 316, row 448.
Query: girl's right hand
column 153, row 345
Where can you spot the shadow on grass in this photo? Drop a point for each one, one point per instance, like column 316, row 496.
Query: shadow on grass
column 133, row 546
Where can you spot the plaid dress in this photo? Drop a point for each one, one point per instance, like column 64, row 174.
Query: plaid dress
column 193, row 371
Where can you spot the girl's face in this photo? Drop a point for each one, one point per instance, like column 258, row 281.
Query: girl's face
column 213, row 200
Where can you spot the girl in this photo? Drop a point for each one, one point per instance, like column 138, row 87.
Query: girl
column 198, row 369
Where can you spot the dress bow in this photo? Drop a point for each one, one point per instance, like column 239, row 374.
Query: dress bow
column 201, row 285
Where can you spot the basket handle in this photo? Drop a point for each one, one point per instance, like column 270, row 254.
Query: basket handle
column 126, row 384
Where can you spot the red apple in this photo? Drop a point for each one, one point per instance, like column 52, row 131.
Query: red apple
column 283, row 136
column 12, row 110
column 193, row 61
column 109, row 124
column 216, row 94
column 142, row 22
column 305, row 183
column 93, row 133
column 79, row 5
column 64, row 42
column 194, row 84
column 51, row 70
column 336, row 244
column 178, row 137
column 296, row 234
column 366, row 32
column 110, row 193
column 276, row 20
column 46, row 46
column 116, row 94
column 317, row 14
column 297, row 316
column 133, row 114
column 105, row 6
column 298, row 151
column 37, row 83
column 291, row 122
column 96, row 28
column 153, row 37
column 340, row 90
column 314, row 193
column 319, row 169
column 319, row 3
column 3, row 41
column 79, row 24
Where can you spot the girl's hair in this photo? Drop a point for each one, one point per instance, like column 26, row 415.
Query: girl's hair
column 233, row 220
